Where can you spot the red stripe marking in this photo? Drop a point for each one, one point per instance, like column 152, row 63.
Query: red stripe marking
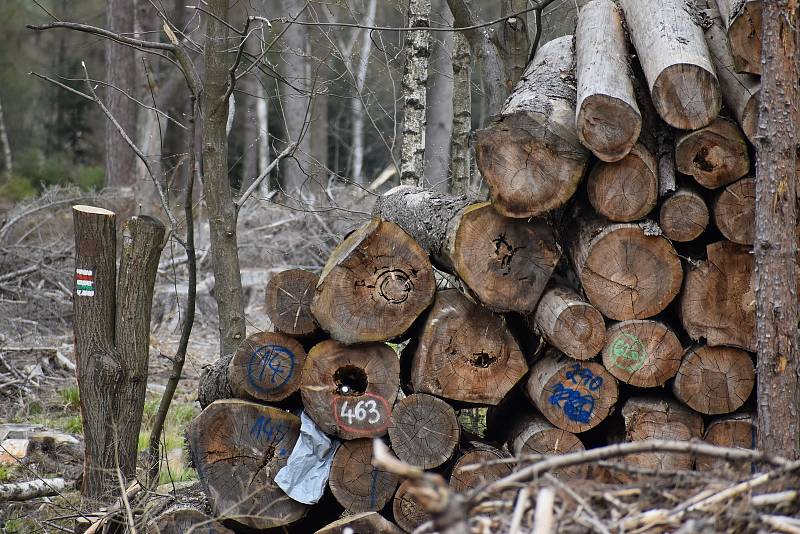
column 88, row 277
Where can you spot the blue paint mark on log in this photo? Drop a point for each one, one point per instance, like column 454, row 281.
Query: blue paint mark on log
column 270, row 367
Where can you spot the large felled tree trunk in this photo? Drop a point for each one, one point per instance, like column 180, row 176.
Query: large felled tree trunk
column 415, row 81
column 775, row 241
column 217, row 189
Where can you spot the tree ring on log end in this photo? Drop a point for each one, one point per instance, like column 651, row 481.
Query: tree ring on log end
column 686, row 96
column 424, row 430
column 288, row 299
column 534, row 435
column 266, row 367
column 394, row 285
column 604, row 125
column 642, row 353
column 714, row 380
column 356, row 483
column 478, row 467
column 625, row 190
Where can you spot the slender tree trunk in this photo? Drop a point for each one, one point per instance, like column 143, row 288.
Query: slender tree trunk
column 262, row 119
column 8, row 163
column 775, row 241
column 358, row 106
column 219, row 200
column 460, row 154
column 415, row 81
column 440, row 108
column 120, row 72
column 515, row 42
column 250, row 84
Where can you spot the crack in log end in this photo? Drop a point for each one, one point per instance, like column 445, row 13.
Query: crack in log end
column 351, row 381
column 266, row 460
column 701, row 160
column 504, row 253
column 482, row 360
column 394, row 286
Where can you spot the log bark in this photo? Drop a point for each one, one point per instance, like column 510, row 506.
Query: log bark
column 415, row 82
column 288, row 302
column 478, row 466
column 734, row 211
column 569, row 323
column 408, row 512
column 714, row 380
column 740, row 92
column 642, row 353
column 608, row 120
column 371, row 522
column 626, row 190
column 653, row 418
column 465, row 353
column 267, row 367
column 735, row 430
column 182, row 520
column 574, row 396
column 237, row 448
column 355, row 483
column 349, row 391
column 424, row 431
column 504, row 262
column 374, row 285
column 675, row 60
column 626, row 272
column 683, row 215
column 32, row 489
column 530, row 156
column 715, row 155
column 514, row 41
column 743, row 22
column 214, row 382
column 718, row 300
column 532, row 435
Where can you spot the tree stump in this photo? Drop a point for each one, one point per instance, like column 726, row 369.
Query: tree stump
column 715, row 155
column 683, row 215
column 288, row 300
column 465, row 352
column 718, row 300
column 532, row 434
column 349, row 390
column 424, row 431
column 608, row 121
column 237, row 448
column 714, row 380
column 408, row 512
column 569, row 323
column 625, row 190
column 625, row 272
column 374, row 285
column 183, row 520
column 477, row 467
column 735, row 430
column 642, row 353
column 735, row 211
column 531, row 156
column 366, row 523
column 574, row 396
column 742, row 19
column 355, row 483
column 266, row 367
column 675, row 59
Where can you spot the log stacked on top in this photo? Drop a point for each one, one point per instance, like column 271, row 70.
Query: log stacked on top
column 617, row 237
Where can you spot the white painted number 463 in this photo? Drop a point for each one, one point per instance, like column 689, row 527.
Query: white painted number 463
column 360, row 412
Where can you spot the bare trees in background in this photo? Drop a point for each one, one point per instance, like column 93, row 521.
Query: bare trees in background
column 440, row 101
column 8, row 164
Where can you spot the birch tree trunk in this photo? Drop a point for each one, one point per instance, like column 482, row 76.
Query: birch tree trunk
column 440, row 108
column 460, row 155
column 262, row 119
column 8, row 163
column 358, row 104
column 775, row 241
column 415, row 82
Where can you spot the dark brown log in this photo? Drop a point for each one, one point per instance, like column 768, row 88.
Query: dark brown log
column 424, row 431
column 349, row 390
column 734, row 211
column 683, row 215
column 366, row 523
column 675, row 60
column 237, row 448
column 374, row 286
column 477, row 467
column 742, row 19
column 465, row 352
column 532, row 434
column 408, row 512
column 504, row 262
column 530, row 156
column 288, row 302
column 267, row 367
column 574, row 396
column 626, row 190
column 183, row 520
column 735, row 430
column 715, row 155
column 718, row 300
column 608, row 121
column 356, row 484
column 625, row 270
column 654, row 418
column 214, row 382
column 714, row 380
column 642, row 353
column 569, row 323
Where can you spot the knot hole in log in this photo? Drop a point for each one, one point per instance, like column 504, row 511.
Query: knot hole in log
column 701, row 160
column 504, row 252
column 351, row 381
column 482, row 360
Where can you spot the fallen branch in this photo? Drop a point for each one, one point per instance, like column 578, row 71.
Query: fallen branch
column 23, row 491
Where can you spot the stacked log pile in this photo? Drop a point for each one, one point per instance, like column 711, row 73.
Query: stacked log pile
column 603, row 294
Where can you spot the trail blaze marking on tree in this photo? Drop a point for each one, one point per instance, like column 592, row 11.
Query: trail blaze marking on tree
column 368, row 413
column 577, row 406
column 628, row 352
column 270, row 367
column 84, row 282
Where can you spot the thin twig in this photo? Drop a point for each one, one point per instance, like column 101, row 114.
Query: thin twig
column 86, row 28
column 288, row 151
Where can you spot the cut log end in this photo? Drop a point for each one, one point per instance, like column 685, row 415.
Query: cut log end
column 182, row 520
column 367, row 522
column 288, row 302
column 626, row 190
column 642, row 353
column 736, row 430
column 477, row 467
column 569, row 323
column 744, row 35
column 534, row 435
column 408, row 512
column 735, row 211
column 686, row 96
column 683, row 216
column 424, row 431
column 355, row 483
column 715, row 155
column 714, row 380
column 267, row 367
column 608, row 126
